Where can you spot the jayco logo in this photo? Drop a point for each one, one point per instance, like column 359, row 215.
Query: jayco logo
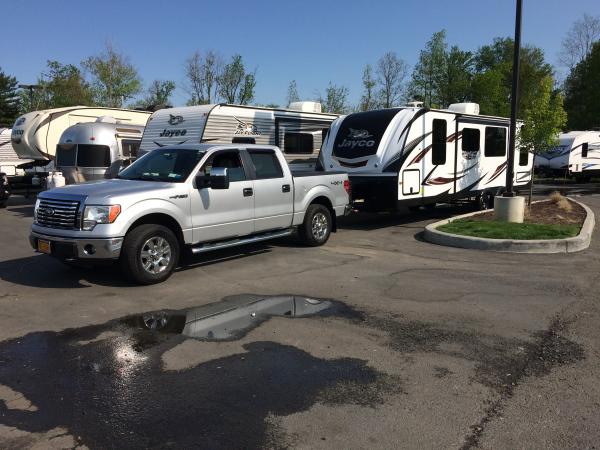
column 357, row 138
column 244, row 128
column 171, row 133
column 175, row 120
column 20, row 121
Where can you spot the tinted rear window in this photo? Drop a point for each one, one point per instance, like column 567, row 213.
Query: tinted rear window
column 361, row 133
column 266, row 165
column 65, row 155
column 93, row 155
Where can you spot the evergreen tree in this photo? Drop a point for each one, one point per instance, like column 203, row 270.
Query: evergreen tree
column 9, row 100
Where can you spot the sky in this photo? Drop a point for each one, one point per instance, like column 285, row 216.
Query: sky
column 313, row 42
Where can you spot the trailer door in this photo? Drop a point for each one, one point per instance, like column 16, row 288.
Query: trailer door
column 468, row 156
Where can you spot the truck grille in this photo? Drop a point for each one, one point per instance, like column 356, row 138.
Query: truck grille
column 58, row 213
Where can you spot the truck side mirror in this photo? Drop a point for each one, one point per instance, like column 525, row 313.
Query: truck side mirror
column 219, row 178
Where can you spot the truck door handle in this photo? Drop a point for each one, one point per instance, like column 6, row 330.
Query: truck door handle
column 248, row 192
column 285, row 188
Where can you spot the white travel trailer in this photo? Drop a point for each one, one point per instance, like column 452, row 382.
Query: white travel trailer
column 95, row 150
column 36, row 134
column 577, row 153
column 10, row 164
column 298, row 132
column 418, row 156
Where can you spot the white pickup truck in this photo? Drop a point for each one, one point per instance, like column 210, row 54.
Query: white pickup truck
column 203, row 196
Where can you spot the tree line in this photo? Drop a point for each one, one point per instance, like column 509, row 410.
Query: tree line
column 443, row 74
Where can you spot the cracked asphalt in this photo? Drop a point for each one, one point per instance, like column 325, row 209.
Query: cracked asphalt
column 429, row 347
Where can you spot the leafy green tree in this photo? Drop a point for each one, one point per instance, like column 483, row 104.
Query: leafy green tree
column 582, row 92
column 9, row 100
column 246, row 94
column 335, row 100
column 235, row 85
column 455, row 82
column 368, row 101
column 159, row 93
column 114, row 78
column 292, row 94
column 429, row 72
column 63, row 85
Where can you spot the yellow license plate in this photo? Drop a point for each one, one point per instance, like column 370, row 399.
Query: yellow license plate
column 44, row 246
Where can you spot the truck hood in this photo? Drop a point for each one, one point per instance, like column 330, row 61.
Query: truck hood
column 114, row 188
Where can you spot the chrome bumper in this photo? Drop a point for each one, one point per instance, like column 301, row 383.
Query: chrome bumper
column 84, row 249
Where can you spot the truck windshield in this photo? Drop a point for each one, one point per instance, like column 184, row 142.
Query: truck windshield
column 172, row 165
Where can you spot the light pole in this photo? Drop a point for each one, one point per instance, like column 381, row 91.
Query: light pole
column 514, row 101
column 509, row 207
column 30, row 87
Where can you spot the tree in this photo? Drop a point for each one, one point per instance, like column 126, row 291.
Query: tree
column 368, row 101
column 9, row 100
column 580, row 39
column 63, row 85
column 428, row 74
column 232, row 79
column 335, row 100
column 391, row 72
column 582, row 96
column 114, row 78
column 246, row 94
column 159, row 92
column 455, row 82
column 292, row 94
column 203, row 75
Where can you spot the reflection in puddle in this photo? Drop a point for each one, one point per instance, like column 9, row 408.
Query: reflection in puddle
column 230, row 318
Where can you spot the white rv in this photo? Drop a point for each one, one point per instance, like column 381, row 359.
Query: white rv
column 298, row 132
column 95, row 150
column 577, row 153
column 418, row 156
column 10, row 164
column 36, row 134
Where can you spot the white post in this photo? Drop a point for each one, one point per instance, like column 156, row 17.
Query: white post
column 509, row 209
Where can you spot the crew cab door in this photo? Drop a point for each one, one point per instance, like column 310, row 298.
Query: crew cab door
column 273, row 190
column 223, row 213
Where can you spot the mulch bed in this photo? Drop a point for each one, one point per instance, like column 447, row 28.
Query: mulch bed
column 545, row 212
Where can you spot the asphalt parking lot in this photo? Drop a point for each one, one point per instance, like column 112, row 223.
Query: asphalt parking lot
column 416, row 346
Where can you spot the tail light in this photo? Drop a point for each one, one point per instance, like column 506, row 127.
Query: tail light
column 347, row 187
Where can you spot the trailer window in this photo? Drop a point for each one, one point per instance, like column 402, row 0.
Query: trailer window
column 300, row 143
column 438, row 145
column 584, row 150
column 266, row 164
column 65, row 155
column 495, row 141
column 229, row 160
column 130, row 148
column 93, row 155
column 523, row 157
column 470, row 140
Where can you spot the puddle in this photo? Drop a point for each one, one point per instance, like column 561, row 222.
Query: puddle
column 107, row 386
column 233, row 317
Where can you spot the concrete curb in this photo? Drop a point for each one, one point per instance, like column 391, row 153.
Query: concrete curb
column 569, row 245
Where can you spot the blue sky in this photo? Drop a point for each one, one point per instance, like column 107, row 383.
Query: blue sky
column 313, row 42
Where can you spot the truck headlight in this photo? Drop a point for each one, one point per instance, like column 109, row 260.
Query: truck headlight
column 93, row 215
column 35, row 210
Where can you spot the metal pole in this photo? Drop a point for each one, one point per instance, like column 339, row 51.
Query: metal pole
column 514, row 100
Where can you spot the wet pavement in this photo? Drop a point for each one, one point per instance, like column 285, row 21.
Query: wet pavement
column 376, row 340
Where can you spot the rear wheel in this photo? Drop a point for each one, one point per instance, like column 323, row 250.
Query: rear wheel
column 149, row 254
column 484, row 201
column 316, row 228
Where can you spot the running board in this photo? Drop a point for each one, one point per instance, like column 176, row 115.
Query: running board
column 241, row 241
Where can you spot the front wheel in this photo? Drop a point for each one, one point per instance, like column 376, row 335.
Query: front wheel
column 149, row 254
column 316, row 228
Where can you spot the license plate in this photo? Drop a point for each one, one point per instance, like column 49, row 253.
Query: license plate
column 44, row 246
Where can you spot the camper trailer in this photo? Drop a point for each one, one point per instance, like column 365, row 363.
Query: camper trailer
column 95, row 150
column 10, row 164
column 415, row 156
column 298, row 132
column 577, row 154
column 36, row 134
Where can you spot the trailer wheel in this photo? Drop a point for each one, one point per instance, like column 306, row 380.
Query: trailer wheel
column 316, row 228
column 484, row 201
column 149, row 254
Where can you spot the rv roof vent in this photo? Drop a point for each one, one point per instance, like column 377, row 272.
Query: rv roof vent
column 106, row 119
column 415, row 104
column 314, row 107
column 464, row 108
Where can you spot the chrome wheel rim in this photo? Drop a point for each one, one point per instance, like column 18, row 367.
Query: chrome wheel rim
column 319, row 226
column 155, row 321
column 155, row 255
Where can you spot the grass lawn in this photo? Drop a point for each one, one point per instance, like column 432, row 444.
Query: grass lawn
column 508, row 230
